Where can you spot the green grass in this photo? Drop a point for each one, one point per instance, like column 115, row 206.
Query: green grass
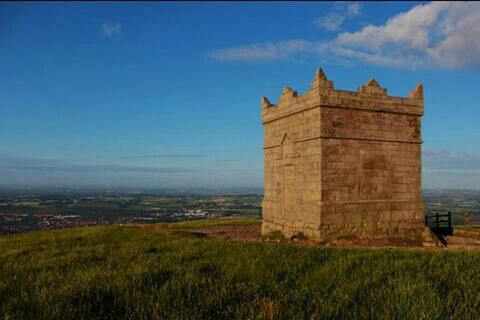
column 250, row 220
column 167, row 272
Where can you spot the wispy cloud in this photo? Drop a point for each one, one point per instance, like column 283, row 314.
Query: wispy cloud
column 434, row 152
column 333, row 20
column 30, row 171
column 51, row 165
column 432, row 35
column 234, row 160
column 165, row 156
column 265, row 51
column 445, row 161
column 110, row 29
column 445, row 170
column 354, row 9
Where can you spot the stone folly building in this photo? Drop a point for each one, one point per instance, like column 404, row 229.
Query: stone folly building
column 341, row 163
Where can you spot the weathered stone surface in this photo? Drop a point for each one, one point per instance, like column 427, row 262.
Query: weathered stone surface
column 341, row 163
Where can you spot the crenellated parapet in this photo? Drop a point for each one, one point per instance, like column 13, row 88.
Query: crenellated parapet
column 372, row 89
column 370, row 96
column 320, row 83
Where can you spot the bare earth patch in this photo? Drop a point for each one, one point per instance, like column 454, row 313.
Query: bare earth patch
column 252, row 233
column 237, row 233
column 376, row 243
column 463, row 239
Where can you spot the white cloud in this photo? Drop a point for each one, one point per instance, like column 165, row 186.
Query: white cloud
column 435, row 35
column 440, row 34
column 110, row 29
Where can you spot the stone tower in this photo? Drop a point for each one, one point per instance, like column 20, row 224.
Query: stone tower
column 343, row 163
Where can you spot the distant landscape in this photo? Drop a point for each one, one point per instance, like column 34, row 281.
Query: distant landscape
column 458, row 202
column 43, row 210
column 20, row 212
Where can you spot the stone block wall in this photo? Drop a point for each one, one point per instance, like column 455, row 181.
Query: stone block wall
column 341, row 163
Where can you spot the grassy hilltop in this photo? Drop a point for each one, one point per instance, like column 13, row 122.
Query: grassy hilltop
column 169, row 272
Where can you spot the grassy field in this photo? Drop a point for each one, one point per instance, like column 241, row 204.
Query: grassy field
column 168, row 272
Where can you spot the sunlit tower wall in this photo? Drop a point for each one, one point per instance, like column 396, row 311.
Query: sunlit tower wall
column 342, row 163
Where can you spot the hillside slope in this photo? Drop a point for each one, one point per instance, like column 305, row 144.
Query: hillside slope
column 168, row 271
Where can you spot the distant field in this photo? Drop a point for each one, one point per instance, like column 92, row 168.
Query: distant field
column 118, row 206
column 167, row 272
column 84, row 209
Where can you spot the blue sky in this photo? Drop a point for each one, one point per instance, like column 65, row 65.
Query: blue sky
column 168, row 94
